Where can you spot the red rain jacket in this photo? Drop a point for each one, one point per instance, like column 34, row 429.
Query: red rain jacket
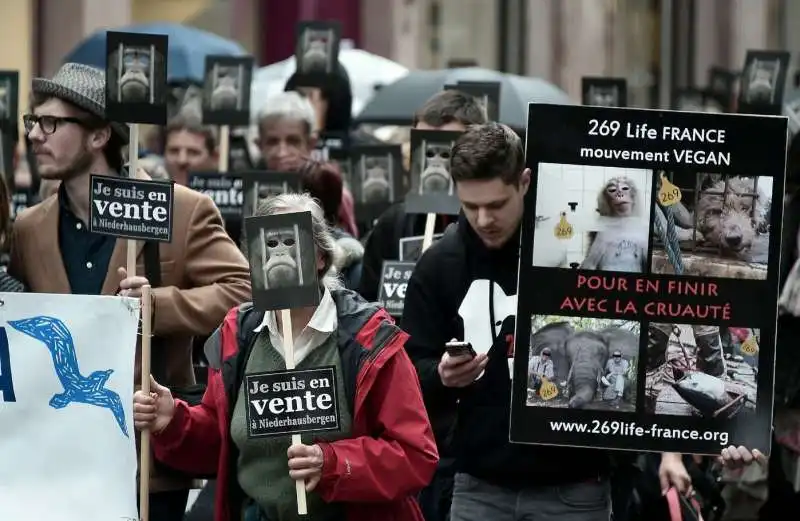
column 376, row 473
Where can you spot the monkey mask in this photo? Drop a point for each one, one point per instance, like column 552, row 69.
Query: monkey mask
column 375, row 179
column 281, row 268
column 225, row 93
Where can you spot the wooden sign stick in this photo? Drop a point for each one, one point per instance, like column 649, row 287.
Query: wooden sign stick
column 133, row 166
column 430, row 226
column 144, row 457
column 224, row 148
column 288, row 354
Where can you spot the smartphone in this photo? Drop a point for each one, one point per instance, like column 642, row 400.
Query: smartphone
column 459, row 348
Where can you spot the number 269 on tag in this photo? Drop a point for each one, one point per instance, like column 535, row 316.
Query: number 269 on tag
column 604, row 128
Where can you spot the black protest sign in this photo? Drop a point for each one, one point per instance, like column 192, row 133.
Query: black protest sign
column 330, row 144
column 410, row 248
column 259, row 185
column 604, row 92
column 487, row 92
column 281, row 403
column 132, row 208
column 226, row 90
column 9, row 102
column 658, row 337
column 723, row 85
column 283, row 261
column 377, row 178
column 224, row 189
column 317, row 52
column 136, row 78
column 432, row 187
column 763, row 82
column 394, row 280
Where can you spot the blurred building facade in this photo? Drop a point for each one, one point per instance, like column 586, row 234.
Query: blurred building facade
column 652, row 43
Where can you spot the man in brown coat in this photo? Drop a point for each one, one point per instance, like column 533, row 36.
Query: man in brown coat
column 203, row 274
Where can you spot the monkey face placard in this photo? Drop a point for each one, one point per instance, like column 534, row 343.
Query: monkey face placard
column 283, row 261
column 262, row 185
column 487, row 93
column 763, row 82
column 377, row 176
column 317, row 50
column 605, row 92
column 9, row 105
column 136, row 77
column 226, row 90
column 432, row 187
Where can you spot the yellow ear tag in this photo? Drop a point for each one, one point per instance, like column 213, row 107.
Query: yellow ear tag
column 668, row 194
column 563, row 229
column 750, row 346
column 548, row 390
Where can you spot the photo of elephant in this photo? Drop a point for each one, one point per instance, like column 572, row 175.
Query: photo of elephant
column 583, row 363
column 701, row 370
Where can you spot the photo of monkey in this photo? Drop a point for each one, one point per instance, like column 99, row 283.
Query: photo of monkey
column 604, row 92
column 226, row 91
column 283, row 261
column 487, row 93
column 763, row 81
column 317, row 50
column 377, row 178
column 136, row 78
column 261, row 185
column 592, row 218
column 341, row 158
column 432, row 188
column 9, row 101
column 411, row 247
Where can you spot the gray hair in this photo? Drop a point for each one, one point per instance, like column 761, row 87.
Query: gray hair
column 324, row 242
column 288, row 105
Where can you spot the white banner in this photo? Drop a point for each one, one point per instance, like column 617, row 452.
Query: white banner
column 67, row 448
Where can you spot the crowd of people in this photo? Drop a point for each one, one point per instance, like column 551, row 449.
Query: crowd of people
column 424, row 435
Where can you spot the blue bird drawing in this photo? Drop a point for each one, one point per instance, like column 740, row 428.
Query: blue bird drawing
column 77, row 388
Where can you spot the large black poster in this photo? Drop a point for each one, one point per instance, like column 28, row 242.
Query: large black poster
column 648, row 279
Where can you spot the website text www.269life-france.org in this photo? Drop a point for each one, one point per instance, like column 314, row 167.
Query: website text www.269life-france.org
column 619, row 428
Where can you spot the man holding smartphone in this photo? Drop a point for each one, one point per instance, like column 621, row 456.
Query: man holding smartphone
column 457, row 289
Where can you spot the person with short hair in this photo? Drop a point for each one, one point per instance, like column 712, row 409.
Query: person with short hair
column 370, row 468
column 189, row 146
column 53, row 251
column 287, row 134
column 445, row 110
column 494, row 479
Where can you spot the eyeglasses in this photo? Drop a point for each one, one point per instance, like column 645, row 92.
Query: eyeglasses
column 48, row 124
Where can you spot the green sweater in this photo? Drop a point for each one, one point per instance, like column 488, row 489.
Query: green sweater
column 263, row 467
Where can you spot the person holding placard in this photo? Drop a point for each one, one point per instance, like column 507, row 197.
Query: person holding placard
column 202, row 271
column 446, row 110
column 287, row 134
column 464, row 288
column 381, row 451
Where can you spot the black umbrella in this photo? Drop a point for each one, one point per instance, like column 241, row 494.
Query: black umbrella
column 395, row 104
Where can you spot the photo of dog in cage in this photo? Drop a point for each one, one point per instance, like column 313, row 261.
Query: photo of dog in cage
column 432, row 187
column 583, row 363
column 719, row 228
column 701, row 370
column 226, row 90
column 283, row 261
column 592, row 218
column 136, row 78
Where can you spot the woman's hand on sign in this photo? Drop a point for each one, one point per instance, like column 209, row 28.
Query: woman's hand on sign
column 153, row 412
column 672, row 473
column 739, row 457
column 131, row 286
column 461, row 371
column 305, row 463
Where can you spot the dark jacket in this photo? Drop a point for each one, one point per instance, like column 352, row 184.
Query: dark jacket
column 383, row 243
column 375, row 473
column 436, row 291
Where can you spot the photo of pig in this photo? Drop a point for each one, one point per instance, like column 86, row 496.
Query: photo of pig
column 592, row 218
column 720, row 227
column 701, row 370
column 583, row 363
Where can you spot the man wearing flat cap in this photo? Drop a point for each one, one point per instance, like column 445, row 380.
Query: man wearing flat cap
column 202, row 272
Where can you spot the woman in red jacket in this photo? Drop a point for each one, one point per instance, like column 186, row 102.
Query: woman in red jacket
column 370, row 469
